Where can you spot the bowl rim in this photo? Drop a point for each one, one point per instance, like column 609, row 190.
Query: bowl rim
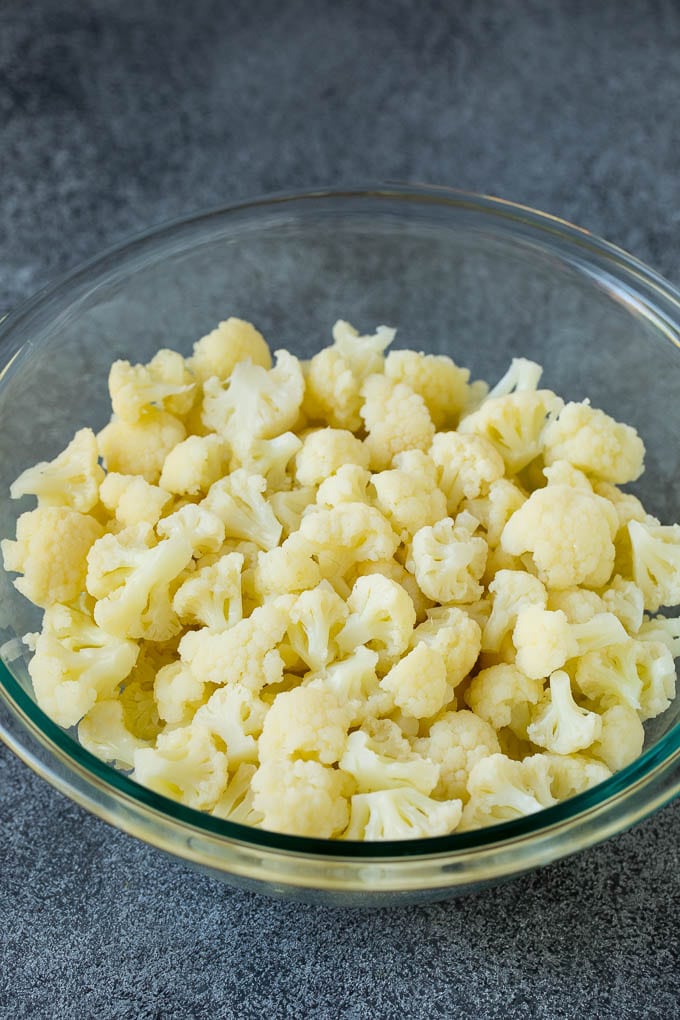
column 652, row 767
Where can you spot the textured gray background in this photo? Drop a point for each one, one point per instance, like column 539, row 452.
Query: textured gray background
column 115, row 116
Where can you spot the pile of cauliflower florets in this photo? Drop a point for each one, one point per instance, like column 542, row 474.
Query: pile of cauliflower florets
column 356, row 597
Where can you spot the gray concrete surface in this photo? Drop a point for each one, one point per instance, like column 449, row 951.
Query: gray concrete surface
column 115, row 116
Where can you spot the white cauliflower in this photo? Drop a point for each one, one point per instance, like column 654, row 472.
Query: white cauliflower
column 595, row 443
column 354, row 683
column 246, row 653
column 347, row 534
column 211, row 597
column 448, row 559
column 408, row 494
column 238, row 501
column 396, row 572
column 401, row 813
column 512, row 591
column 514, row 424
column 72, row 479
column 372, row 769
column 494, row 510
column 656, row 563
column 624, row 599
column 193, row 465
column 640, row 674
column 456, row 742
column 290, row 505
column 396, row 419
column 165, row 383
column 659, row 628
column 178, row 694
column 200, row 527
column 255, row 403
column 501, row 790
column 140, row 447
column 521, row 375
column 271, row 458
column 236, row 803
column 104, row 734
column 545, row 640
column 558, row 723
column 302, row 798
column 236, row 715
column 50, row 552
column 381, row 617
column 324, row 451
column 316, row 617
column 621, row 736
column 436, row 378
column 467, row 466
column 132, row 499
column 418, row 682
column 129, row 574
column 579, row 605
column 186, row 765
column 218, row 353
column 76, row 664
column 306, row 722
column 502, row 695
column 290, row 568
column 457, row 638
column 569, row 534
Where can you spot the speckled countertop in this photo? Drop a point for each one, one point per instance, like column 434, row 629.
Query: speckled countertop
column 117, row 116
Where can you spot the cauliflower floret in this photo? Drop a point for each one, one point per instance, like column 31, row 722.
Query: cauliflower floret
column 569, row 534
column 625, row 600
column 236, row 803
column 502, row 695
column 597, row 444
column 132, row 499
column 457, row 638
column 381, row 617
column 246, row 653
column 408, row 494
column 140, row 447
column 396, row 572
column 448, row 560
column 50, row 550
column 468, row 465
column 564, row 473
column 418, row 683
column 502, row 790
column 558, row 723
column 334, row 375
column 193, row 465
column 621, row 737
column 456, row 742
column 578, row 604
column 211, row 597
column 514, row 424
column 165, row 383
column 256, row 403
column 289, row 506
column 236, row 715
column 287, row 569
column 303, row 798
column 436, row 378
column 521, row 375
column 140, row 711
column 104, row 734
column 315, row 620
column 640, row 674
column 627, row 506
column 271, row 459
column 72, row 479
column 512, row 590
column 401, row 813
column 307, row 722
column 218, row 353
column 372, row 769
column 178, row 694
column 347, row 534
column 200, row 527
column 396, row 419
column 347, row 485
column 324, row 451
column 129, row 574
column 238, row 500
column 186, row 765
column 571, row 774
column 545, row 640
column 656, row 563
column 355, row 684
column 76, row 663
column 495, row 510
column 661, row 629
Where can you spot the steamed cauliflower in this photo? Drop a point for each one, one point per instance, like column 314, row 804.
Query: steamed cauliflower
column 357, row 597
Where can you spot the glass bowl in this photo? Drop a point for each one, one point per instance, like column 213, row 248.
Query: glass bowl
column 466, row 275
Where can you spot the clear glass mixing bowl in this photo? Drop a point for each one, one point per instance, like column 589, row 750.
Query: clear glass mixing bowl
column 470, row 276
